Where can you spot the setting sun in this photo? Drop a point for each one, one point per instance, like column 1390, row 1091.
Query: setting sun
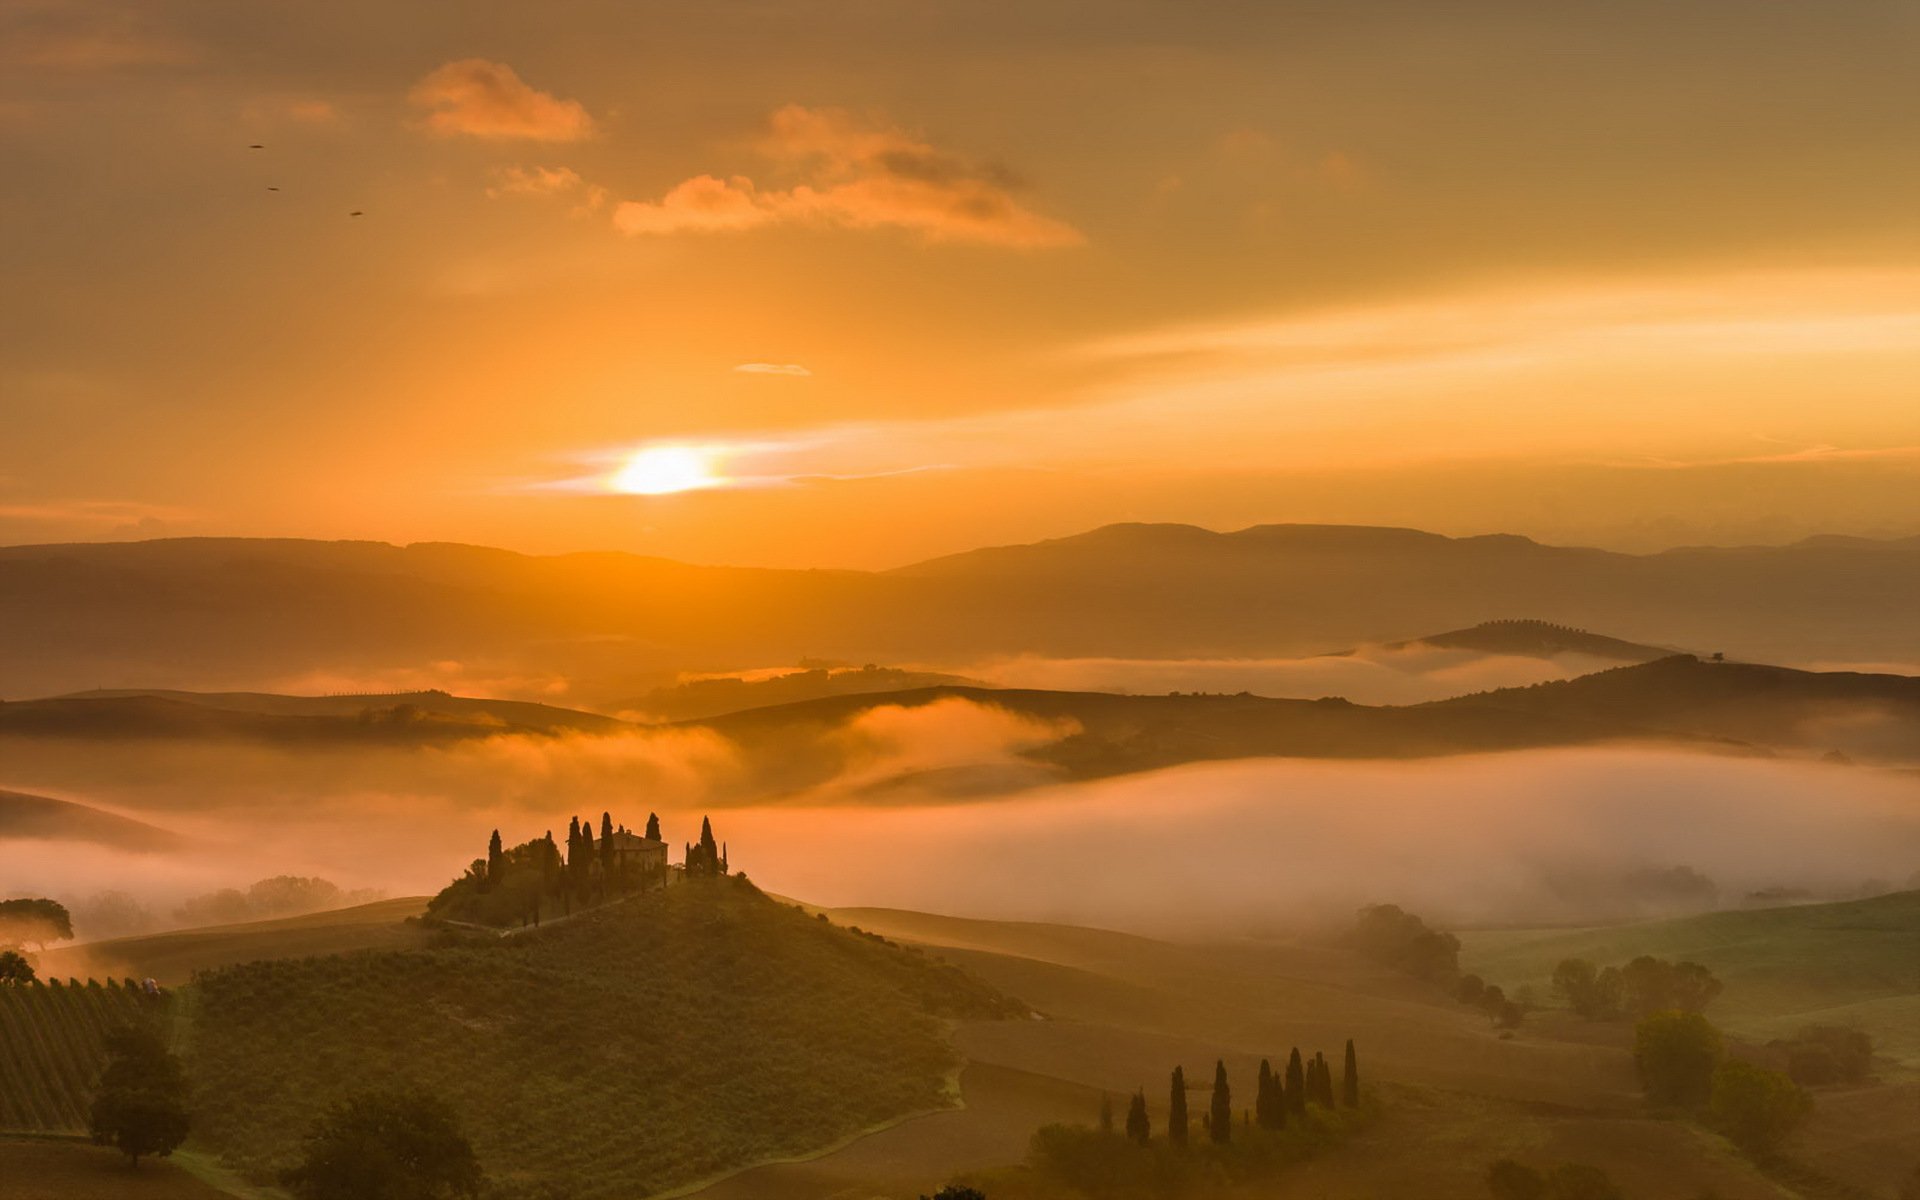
column 660, row 470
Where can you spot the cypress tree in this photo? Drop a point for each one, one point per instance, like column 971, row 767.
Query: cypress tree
column 1296, row 1084
column 1139, row 1128
column 494, row 856
column 1106, row 1113
column 1350, row 1079
column 1322, row 1080
column 653, row 827
column 1270, row 1101
column 606, row 846
column 1220, row 1115
column 1177, row 1111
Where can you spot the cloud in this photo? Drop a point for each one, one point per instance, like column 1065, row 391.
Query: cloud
column 761, row 368
column 548, row 183
column 486, row 99
column 856, row 175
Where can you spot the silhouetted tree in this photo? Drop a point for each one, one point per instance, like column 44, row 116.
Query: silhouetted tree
column 138, row 1109
column 1350, row 1079
column 14, row 968
column 606, row 846
column 1177, row 1110
column 1106, row 1113
column 954, row 1191
column 34, row 920
column 1220, row 1111
column 1296, row 1084
column 653, row 827
column 495, row 857
column 1269, row 1104
column 386, row 1146
column 1593, row 994
column 1139, row 1127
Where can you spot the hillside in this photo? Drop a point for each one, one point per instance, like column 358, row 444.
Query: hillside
column 479, row 711
column 216, row 611
column 697, row 699
column 52, row 1046
column 1856, row 962
column 1535, row 639
column 630, row 1050
column 43, row 818
column 1866, row 716
column 317, row 720
column 174, row 957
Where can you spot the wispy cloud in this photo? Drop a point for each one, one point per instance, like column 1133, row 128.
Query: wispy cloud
column 853, row 174
column 548, row 183
column 479, row 98
column 764, row 368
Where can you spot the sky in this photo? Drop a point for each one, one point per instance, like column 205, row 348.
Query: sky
column 863, row 282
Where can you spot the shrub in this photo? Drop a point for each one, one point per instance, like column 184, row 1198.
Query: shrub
column 1675, row 1054
column 1824, row 1054
column 1755, row 1107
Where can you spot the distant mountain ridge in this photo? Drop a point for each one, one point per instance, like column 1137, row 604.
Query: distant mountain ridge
column 216, row 612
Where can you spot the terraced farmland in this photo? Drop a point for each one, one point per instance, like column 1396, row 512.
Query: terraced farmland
column 51, row 1050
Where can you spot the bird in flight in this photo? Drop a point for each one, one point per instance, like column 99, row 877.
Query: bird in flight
column 256, row 146
column 356, row 213
column 271, row 188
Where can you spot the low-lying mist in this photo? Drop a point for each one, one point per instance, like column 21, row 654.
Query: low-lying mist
column 935, row 808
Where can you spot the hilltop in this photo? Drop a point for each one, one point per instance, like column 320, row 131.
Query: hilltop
column 218, row 609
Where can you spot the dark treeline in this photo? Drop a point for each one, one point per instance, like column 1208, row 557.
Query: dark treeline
column 1279, row 1096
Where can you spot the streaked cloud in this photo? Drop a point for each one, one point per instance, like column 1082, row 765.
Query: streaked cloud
column 853, row 174
column 766, row 368
column 476, row 97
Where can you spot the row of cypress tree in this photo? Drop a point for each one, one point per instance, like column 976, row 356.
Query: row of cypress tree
column 1279, row 1097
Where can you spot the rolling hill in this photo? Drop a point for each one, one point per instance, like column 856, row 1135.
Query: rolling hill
column 41, row 818
column 234, row 612
column 1535, row 639
column 635, row 1048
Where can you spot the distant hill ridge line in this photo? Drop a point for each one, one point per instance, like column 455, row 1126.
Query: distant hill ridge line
column 1277, row 530
column 219, row 610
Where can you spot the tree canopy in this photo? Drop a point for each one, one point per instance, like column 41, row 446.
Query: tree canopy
column 138, row 1109
column 388, row 1145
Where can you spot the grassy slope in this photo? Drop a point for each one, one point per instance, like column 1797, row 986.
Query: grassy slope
column 1856, row 962
column 172, row 958
column 1123, row 1009
column 61, row 1169
column 643, row 1046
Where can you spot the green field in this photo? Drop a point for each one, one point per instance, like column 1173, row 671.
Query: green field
column 639, row 1047
column 51, row 1048
column 1854, row 963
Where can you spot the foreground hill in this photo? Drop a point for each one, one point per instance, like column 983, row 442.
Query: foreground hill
column 629, row 1050
column 210, row 610
column 42, row 818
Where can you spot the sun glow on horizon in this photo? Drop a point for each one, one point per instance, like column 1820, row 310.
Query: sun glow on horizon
column 664, row 470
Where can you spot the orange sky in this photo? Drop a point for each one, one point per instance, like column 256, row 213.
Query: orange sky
column 867, row 282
